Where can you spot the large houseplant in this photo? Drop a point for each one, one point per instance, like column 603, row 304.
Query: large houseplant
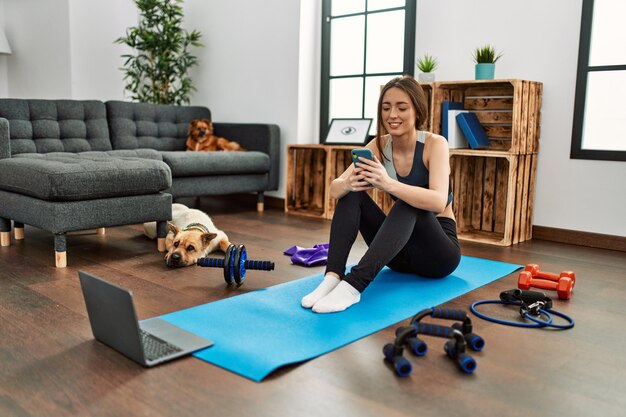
column 157, row 72
column 485, row 58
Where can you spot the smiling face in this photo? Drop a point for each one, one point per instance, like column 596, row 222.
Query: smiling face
column 398, row 113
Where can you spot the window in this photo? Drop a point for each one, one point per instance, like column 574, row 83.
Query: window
column 365, row 43
column 599, row 128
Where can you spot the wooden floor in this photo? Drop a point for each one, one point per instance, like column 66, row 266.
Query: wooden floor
column 50, row 364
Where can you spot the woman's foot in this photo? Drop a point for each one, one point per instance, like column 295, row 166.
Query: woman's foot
column 343, row 296
column 328, row 284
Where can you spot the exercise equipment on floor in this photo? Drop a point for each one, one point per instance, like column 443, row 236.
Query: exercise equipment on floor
column 536, row 272
column 533, row 305
column 315, row 256
column 258, row 332
column 563, row 286
column 534, row 277
column 235, row 264
column 460, row 334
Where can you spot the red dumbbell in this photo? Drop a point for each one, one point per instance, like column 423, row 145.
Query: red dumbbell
column 563, row 287
column 537, row 273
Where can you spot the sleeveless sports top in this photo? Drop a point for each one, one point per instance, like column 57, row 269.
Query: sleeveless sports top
column 418, row 175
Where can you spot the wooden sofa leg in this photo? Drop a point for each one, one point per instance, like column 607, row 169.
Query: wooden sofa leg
column 161, row 235
column 60, row 250
column 260, row 206
column 101, row 230
column 5, row 238
column 60, row 259
column 5, row 232
column 18, row 230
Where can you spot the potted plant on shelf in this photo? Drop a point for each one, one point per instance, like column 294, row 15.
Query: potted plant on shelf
column 485, row 58
column 427, row 64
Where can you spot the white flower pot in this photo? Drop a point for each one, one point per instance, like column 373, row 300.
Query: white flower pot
column 426, row 77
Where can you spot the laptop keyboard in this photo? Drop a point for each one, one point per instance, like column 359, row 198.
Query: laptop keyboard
column 155, row 348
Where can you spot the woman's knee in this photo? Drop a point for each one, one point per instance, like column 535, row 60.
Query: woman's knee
column 351, row 199
column 401, row 207
column 354, row 196
column 404, row 210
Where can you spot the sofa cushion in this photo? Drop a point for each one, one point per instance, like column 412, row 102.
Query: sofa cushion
column 157, row 126
column 188, row 164
column 60, row 176
column 133, row 153
column 44, row 126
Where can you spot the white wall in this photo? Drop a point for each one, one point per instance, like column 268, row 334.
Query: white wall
column 249, row 65
column 540, row 42
column 309, row 82
column 95, row 58
column 65, row 49
column 4, row 79
column 260, row 64
column 39, row 36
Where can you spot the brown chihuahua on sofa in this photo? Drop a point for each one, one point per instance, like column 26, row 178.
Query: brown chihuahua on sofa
column 200, row 138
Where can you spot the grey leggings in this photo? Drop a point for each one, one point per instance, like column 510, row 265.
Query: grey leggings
column 407, row 240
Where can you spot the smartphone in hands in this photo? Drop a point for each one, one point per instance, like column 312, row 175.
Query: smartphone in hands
column 365, row 153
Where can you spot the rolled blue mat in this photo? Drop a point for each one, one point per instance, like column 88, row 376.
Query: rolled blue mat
column 260, row 331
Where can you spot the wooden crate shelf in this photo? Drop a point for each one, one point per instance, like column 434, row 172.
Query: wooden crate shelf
column 428, row 91
column 339, row 159
column 493, row 189
column 310, row 170
column 493, row 196
column 509, row 110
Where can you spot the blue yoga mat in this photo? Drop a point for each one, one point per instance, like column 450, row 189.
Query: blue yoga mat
column 260, row 331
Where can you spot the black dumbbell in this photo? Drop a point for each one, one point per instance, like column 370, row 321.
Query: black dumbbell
column 235, row 264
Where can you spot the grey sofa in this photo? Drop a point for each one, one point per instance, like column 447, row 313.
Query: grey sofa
column 68, row 165
column 136, row 126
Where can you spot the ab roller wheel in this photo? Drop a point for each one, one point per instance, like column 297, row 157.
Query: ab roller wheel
column 235, row 264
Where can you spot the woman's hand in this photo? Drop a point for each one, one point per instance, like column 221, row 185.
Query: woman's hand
column 373, row 173
column 356, row 180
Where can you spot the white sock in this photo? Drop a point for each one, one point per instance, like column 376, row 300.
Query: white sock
column 343, row 296
column 328, row 284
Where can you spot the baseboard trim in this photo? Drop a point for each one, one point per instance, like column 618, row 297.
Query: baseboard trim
column 574, row 237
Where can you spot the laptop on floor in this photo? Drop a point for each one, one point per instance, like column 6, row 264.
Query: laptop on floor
column 114, row 322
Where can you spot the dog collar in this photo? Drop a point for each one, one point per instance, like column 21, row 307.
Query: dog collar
column 196, row 226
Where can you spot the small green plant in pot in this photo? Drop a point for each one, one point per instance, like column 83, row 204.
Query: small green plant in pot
column 485, row 58
column 427, row 64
